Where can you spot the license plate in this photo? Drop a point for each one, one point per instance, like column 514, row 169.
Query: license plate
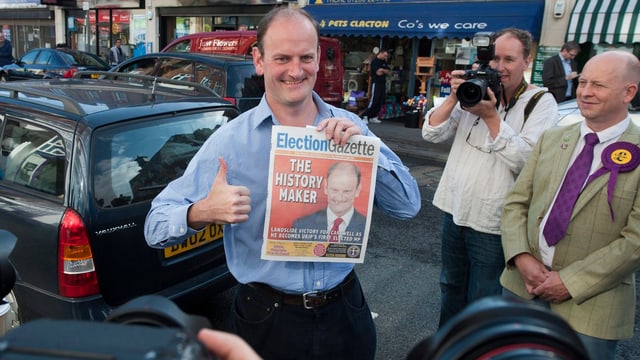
column 209, row 234
column 95, row 76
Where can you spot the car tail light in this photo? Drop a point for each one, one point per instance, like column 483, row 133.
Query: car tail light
column 231, row 100
column 76, row 272
column 69, row 73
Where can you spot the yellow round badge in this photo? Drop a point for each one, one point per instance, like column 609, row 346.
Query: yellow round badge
column 621, row 156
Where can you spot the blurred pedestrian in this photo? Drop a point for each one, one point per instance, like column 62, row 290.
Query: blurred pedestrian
column 570, row 228
column 491, row 141
column 379, row 69
column 560, row 72
column 116, row 54
column 6, row 50
column 283, row 309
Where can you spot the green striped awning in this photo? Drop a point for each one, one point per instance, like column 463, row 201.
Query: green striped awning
column 605, row 21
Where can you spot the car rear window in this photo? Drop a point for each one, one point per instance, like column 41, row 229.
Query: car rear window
column 33, row 156
column 242, row 81
column 134, row 162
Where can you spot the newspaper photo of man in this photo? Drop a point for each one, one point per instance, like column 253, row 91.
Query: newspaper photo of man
column 342, row 222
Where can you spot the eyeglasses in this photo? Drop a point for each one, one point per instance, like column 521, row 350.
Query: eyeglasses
column 573, row 54
column 477, row 147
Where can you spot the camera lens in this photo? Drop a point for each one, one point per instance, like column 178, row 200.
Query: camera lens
column 471, row 92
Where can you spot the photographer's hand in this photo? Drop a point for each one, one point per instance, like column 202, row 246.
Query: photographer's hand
column 443, row 111
column 486, row 110
column 226, row 346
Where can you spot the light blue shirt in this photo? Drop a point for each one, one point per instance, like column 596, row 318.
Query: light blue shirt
column 567, row 70
column 245, row 144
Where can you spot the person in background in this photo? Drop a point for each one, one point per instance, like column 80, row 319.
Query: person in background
column 283, row 309
column 491, row 141
column 560, row 73
column 6, row 50
column 116, row 54
column 578, row 255
column 379, row 69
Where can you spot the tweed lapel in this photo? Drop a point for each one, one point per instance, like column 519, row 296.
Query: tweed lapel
column 563, row 145
column 632, row 135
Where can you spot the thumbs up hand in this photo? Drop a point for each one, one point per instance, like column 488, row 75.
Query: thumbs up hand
column 225, row 204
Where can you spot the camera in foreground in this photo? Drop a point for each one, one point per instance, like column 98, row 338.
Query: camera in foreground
column 147, row 327
column 502, row 328
column 474, row 89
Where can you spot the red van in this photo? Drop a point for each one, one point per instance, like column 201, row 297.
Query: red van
column 329, row 84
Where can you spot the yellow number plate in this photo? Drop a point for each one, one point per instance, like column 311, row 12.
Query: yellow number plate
column 209, row 234
column 95, row 76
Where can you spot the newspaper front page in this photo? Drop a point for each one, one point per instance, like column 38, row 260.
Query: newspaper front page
column 320, row 196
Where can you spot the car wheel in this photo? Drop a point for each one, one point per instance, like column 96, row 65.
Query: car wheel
column 3, row 77
column 9, row 318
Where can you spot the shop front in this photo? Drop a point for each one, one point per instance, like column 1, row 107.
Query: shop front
column 419, row 31
column 104, row 27
column 599, row 25
column 182, row 17
column 27, row 24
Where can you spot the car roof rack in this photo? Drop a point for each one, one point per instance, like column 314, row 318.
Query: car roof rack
column 151, row 81
column 68, row 104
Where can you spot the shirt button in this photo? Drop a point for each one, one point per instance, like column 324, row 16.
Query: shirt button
column 182, row 230
column 318, row 283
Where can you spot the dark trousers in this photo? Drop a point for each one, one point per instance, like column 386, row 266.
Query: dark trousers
column 376, row 102
column 343, row 329
column 472, row 262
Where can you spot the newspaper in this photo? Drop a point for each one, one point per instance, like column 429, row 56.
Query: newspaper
column 302, row 203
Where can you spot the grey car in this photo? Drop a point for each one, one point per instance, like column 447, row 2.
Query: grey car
column 231, row 76
column 81, row 161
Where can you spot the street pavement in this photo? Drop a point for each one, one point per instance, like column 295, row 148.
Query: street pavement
column 406, row 141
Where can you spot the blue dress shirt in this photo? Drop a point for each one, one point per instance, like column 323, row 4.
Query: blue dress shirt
column 566, row 64
column 245, row 144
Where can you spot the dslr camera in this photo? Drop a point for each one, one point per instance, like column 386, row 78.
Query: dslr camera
column 477, row 81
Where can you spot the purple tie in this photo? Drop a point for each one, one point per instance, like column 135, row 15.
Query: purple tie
column 558, row 220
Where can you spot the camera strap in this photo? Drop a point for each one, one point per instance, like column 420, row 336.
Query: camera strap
column 519, row 91
column 532, row 104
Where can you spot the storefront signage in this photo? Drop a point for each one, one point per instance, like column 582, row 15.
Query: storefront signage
column 425, row 19
column 401, row 24
column 117, row 16
column 543, row 53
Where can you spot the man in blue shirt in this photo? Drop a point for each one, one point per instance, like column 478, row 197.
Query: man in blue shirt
column 560, row 73
column 284, row 310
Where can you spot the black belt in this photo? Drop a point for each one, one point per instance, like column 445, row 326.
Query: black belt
column 310, row 299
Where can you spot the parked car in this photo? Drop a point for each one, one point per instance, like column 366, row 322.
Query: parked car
column 330, row 82
column 45, row 63
column 570, row 113
column 232, row 77
column 81, row 161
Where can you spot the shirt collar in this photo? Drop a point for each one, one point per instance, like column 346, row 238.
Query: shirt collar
column 346, row 218
column 609, row 133
column 262, row 112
